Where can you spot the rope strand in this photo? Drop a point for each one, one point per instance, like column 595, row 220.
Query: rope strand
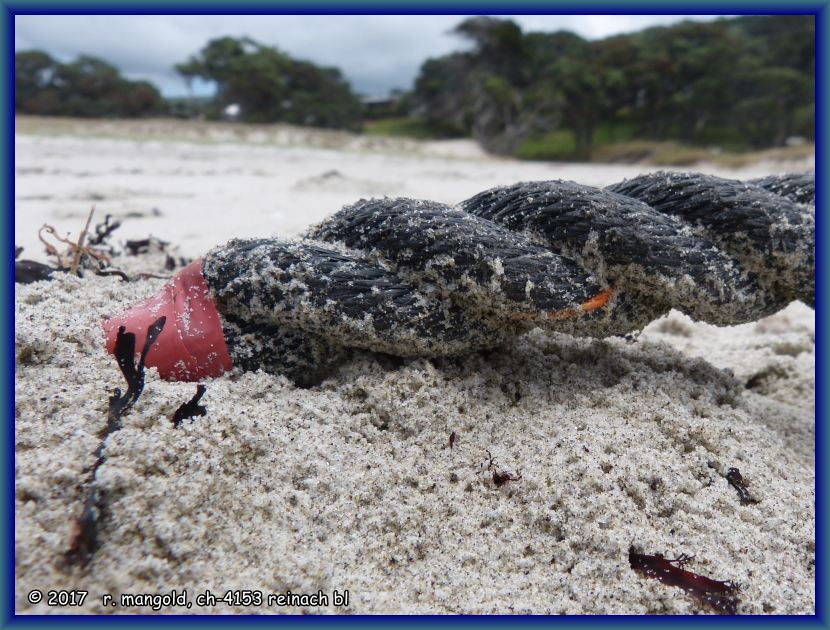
column 418, row 278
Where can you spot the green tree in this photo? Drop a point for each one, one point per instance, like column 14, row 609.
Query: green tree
column 565, row 66
column 270, row 86
column 482, row 92
column 440, row 95
column 86, row 87
column 34, row 71
column 499, row 47
column 766, row 112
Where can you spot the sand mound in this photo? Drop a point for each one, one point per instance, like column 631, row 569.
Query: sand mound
column 352, row 485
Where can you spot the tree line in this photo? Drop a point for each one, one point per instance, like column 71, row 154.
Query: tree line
column 264, row 84
column 87, row 87
column 744, row 82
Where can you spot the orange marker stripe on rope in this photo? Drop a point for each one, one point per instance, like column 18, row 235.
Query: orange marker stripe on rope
column 598, row 301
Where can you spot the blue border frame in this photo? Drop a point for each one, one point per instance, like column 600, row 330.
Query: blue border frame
column 432, row 7
column 822, row 238
column 8, row 9
column 6, row 343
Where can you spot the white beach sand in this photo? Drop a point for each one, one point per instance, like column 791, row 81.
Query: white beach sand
column 352, row 485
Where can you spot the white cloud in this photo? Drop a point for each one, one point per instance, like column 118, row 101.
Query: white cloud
column 375, row 52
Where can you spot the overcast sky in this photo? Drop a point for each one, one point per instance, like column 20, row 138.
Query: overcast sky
column 376, row 53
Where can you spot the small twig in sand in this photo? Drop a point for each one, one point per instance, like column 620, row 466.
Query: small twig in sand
column 80, row 246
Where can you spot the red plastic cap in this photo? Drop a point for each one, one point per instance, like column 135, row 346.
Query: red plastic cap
column 191, row 346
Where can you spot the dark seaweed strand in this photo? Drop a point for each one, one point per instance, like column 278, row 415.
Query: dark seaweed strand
column 736, row 480
column 723, row 597
column 770, row 236
column 466, row 257
column 652, row 258
column 798, row 187
column 84, row 540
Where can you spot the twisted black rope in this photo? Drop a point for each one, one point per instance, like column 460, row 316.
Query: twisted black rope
column 419, row 278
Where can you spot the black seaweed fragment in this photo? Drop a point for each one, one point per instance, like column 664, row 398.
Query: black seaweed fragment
column 191, row 408
column 85, row 534
column 28, row 271
column 144, row 245
column 103, row 231
column 133, row 374
column 736, row 480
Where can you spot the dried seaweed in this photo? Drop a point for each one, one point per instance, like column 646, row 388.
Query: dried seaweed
column 190, row 409
column 103, row 231
column 94, row 253
column 721, row 596
column 114, row 272
column 84, row 540
column 144, row 245
column 76, row 252
column 500, row 476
